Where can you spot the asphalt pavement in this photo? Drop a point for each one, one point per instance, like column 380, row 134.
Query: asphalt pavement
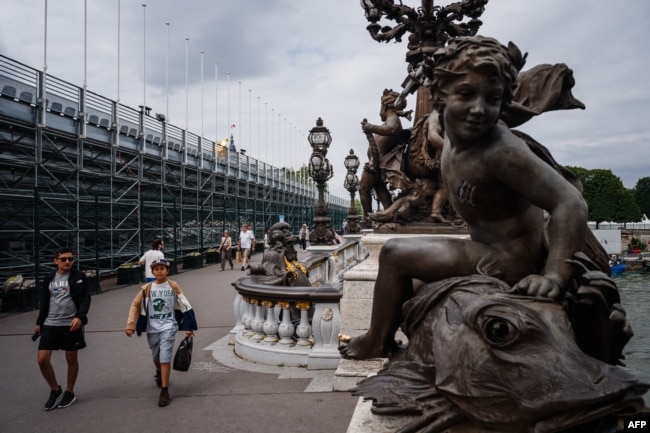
column 116, row 392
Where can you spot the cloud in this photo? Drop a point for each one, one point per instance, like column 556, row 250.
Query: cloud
column 307, row 59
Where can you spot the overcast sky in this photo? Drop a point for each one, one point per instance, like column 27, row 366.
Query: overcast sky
column 292, row 61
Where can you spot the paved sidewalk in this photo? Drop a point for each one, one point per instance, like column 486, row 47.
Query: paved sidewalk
column 116, row 392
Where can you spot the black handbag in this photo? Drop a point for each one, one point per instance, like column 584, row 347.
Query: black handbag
column 141, row 324
column 183, row 357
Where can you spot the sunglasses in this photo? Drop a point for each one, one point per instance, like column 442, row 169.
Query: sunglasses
column 66, row 259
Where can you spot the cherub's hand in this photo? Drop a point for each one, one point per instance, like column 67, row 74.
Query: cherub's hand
column 540, row 285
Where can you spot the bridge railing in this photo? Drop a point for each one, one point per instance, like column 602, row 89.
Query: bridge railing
column 295, row 326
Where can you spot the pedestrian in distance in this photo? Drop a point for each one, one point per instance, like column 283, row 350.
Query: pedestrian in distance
column 246, row 243
column 65, row 300
column 155, row 253
column 303, row 234
column 225, row 249
column 161, row 309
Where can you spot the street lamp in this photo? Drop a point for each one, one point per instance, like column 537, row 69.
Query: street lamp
column 352, row 185
column 320, row 170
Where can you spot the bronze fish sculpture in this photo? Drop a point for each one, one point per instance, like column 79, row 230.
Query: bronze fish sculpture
column 482, row 358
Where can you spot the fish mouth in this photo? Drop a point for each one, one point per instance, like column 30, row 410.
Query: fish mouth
column 628, row 401
column 612, row 391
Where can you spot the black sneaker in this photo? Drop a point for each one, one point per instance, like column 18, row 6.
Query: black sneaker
column 164, row 398
column 242, row 268
column 248, row 267
column 67, row 400
column 158, row 379
column 53, row 401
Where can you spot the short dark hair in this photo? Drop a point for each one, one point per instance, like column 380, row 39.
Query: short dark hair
column 156, row 243
column 62, row 250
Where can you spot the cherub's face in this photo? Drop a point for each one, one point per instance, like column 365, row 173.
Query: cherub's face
column 472, row 105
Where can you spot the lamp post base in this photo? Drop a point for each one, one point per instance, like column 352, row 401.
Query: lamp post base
column 322, row 233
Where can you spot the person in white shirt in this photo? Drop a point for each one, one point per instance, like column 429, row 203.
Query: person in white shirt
column 155, row 253
column 245, row 243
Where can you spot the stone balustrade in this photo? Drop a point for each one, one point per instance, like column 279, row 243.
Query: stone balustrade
column 295, row 326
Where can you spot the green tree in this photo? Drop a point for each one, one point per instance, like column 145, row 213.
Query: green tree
column 642, row 195
column 627, row 209
column 607, row 198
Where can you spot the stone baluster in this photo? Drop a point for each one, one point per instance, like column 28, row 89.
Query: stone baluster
column 286, row 328
column 239, row 309
column 270, row 326
column 248, row 316
column 303, row 330
column 257, row 324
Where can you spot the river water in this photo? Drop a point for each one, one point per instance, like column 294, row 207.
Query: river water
column 635, row 297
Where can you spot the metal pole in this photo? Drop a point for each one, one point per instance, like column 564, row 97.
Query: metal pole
column 167, row 80
column 250, row 128
column 229, row 128
column 43, row 102
column 144, row 59
column 187, row 100
column 216, row 103
column 117, row 101
column 85, row 85
column 202, row 105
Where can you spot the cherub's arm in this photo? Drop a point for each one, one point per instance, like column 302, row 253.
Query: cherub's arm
column 390, row 127
column 544, row 187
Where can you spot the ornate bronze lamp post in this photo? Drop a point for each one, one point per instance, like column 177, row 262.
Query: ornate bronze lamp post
column 428, row 28
column 352, row 185
column 320, row 170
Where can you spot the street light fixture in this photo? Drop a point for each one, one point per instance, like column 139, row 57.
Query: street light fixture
column 352, row 185
column 320, row 170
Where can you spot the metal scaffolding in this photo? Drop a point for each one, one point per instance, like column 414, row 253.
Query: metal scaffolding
column 80, row 170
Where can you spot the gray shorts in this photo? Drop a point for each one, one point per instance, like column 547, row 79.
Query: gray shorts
column 162, row 345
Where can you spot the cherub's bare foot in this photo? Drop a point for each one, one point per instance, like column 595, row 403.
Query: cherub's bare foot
column 437, row 217
column 361, row 347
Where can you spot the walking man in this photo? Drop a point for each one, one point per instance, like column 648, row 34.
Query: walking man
column 155, row 253
column 65, row 300
column 246, row 242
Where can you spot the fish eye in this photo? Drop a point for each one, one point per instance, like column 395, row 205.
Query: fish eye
column 499, row 332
